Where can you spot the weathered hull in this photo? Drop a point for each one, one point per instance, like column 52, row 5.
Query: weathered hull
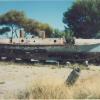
column 61, row 53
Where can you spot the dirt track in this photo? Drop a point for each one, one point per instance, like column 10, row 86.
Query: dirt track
column 17, row 77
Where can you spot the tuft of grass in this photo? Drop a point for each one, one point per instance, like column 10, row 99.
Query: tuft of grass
column 53, row 67
column 56, row 89
column 81, row 66
column 2, row 82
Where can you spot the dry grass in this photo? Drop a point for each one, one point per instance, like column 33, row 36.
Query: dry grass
column 48, row 82
column 56, row 89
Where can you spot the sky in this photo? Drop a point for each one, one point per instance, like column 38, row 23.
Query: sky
column 45, row 11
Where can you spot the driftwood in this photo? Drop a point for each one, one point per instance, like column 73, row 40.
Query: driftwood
column 73, row 76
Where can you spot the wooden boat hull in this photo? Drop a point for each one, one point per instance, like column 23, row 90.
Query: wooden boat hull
column 73, row 53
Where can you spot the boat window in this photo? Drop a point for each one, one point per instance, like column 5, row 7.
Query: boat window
column 55, row 41
column 22, row 40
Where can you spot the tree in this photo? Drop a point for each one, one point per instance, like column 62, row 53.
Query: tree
column 12, row 19
column 17, row 20
column 67, row 34
column 83, row 18
column 30, row 26
column 45, row 27
column 58, row 34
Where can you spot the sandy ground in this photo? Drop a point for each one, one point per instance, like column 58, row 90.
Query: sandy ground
column 17, row 77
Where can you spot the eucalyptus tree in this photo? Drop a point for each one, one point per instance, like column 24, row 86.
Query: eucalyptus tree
column 45, row 27
column 12, row 19
column 16, row 20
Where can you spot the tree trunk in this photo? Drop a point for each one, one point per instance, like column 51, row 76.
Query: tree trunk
column 12, row 29
column 16, row 33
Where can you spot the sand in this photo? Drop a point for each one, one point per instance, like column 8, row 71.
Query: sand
column 17, row 77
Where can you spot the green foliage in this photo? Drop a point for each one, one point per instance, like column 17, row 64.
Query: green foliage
column 30, row 26
column 17, row 20
column 67, row 34
column 83, row 18
column 45, row 27
column 12, row 19
column 58, row 34
column 4, row 30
